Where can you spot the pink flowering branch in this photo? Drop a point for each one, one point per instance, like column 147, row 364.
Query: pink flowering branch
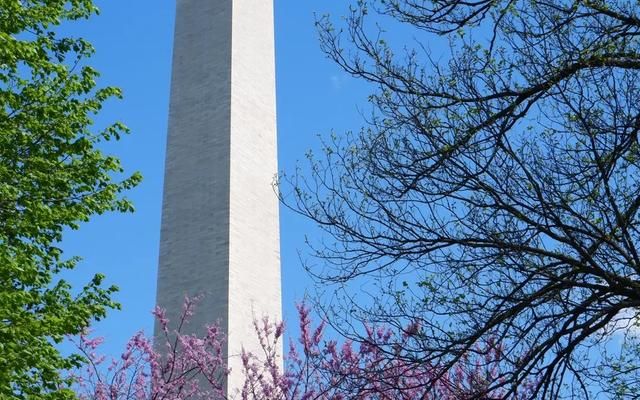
column 379, row 368
column 186, row 367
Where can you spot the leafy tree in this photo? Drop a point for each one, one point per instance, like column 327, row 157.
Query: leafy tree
column 495, row 189
column 52, row 177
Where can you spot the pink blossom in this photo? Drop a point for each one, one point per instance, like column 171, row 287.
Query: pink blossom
column 193, row 367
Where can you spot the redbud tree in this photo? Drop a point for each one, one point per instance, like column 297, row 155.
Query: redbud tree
column 187, row 366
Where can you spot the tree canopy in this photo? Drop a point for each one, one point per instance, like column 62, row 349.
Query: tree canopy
column 494, row 190
column 52, row 177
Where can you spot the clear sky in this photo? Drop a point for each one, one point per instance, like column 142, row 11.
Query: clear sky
column 133, row 40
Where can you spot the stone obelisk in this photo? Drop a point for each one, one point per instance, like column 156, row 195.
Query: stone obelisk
column 220, row 234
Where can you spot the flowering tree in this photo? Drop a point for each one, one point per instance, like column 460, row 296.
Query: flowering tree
column 187, row 367
column 193, row 367
column 378, row 368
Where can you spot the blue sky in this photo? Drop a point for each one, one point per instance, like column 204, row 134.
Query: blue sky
column 133, row 41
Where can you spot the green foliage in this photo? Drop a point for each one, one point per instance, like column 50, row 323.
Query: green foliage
column 52, row 177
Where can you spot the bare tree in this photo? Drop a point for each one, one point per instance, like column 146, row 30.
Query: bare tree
column 494, row 191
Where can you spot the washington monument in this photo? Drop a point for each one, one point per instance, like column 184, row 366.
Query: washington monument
column 220, row 234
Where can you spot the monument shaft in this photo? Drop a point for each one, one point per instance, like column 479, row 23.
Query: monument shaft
column 220, row 234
